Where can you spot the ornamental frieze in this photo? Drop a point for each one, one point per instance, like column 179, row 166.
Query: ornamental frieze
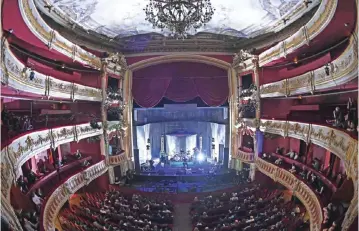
column 23, row 148
column 316, row 25
column 341, row 70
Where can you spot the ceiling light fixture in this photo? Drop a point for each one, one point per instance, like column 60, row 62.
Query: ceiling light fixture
column 180, row 17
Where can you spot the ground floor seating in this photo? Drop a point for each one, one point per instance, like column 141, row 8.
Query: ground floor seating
column 114, row 211
column 248, row 209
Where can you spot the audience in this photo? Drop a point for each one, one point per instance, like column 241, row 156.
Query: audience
column 116, row 211
column 250, row 208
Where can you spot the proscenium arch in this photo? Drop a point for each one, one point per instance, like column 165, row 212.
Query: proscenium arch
column 180, row 58
column 172, row 58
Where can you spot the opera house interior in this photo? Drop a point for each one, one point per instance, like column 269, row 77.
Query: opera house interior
column 179, row 115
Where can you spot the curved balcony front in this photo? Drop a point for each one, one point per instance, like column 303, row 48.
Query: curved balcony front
column 17, row 76
column 16, row 152
column 299, row 189
column 342, row 70
column 244, row 156
column 61, row 194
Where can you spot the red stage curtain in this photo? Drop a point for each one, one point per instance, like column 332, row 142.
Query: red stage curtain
column 180, row 82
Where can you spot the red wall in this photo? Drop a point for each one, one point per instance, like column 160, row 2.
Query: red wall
column 88, row 149
column 270, row 145
column 319, row 153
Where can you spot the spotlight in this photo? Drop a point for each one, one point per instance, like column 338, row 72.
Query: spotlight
column 200, row 157
column 327, row 70
column 32, row 75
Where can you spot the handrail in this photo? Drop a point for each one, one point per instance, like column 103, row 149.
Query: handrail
column 16, row 75
column 308, row 32
column 60, row 195
column 299, row 189
column 21, row 149
column 342, row 70
column 244, row 156
column 336, row 141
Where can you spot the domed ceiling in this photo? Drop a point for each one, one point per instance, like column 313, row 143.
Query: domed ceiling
column 121, row 18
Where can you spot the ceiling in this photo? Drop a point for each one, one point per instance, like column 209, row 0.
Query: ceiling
column 120, row 18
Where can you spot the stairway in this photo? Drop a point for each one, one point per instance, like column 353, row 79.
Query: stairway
column 182, row 218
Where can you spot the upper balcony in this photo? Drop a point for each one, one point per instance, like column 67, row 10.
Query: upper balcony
column 19, row 77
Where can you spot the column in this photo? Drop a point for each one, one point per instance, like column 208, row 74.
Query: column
column 104, row 138
column 255, row 61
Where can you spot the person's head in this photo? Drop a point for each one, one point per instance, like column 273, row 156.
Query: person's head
column 337, row 109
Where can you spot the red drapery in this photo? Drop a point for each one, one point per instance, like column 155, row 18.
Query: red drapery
column 180, row 82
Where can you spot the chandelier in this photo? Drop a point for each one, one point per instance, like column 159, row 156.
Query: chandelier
column 179, row 16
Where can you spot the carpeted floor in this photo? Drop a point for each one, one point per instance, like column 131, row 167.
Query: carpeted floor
column 182, row 218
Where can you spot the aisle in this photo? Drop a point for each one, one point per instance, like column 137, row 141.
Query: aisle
column 182, row 218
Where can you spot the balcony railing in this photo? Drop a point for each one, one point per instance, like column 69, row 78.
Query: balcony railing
column 342, row 70
column 62, row 193
column 16, row 152
column 300, row 190
column 17, row 76
column 244, row 156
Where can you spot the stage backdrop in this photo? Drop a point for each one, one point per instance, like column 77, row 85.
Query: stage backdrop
column 173, row 130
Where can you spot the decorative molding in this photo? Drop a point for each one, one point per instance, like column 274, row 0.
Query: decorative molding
column 16, row 75
column 344, row 69
column 55, row 41
column 14, row 155
column 299, row 189
column 247, row 157
column 8, row 214
column 313, row 28
column 117, row 159
column 180, row 58
column 60, row 195
column 336, row 141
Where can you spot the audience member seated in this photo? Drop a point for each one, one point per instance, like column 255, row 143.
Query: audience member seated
column 22, row 183
column 290, row 154
column 293, row 170
column 279, row 150
column 278, row 161
column 37, row 200
column 316, row 164
column 78, row 154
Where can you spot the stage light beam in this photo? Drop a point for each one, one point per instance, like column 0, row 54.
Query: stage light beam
column 200, row 157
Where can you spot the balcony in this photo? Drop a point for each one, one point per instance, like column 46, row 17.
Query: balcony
column 299, row 189
column 20, row 149
column 244, row 155
column 61, row 194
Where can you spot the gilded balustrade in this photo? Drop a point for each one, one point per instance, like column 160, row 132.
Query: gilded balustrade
column 56, row 41
column 241, row 155
column 302, row 37
column 61, row 194
column 342, row 70
column 15, row 154
column 336, row 141
column 16, row 75
column 299, row 188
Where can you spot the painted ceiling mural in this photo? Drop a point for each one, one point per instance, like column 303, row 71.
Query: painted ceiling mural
column 240, row 18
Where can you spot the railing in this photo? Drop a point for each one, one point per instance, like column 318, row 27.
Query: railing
column 117, row 159
column 308, row 32
column 19, row 150
column 16, row 75
column 241, row 155
column 342, row 70
column 336, row 141
column 300, row 190
column 61, row 194
column 54, row 40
